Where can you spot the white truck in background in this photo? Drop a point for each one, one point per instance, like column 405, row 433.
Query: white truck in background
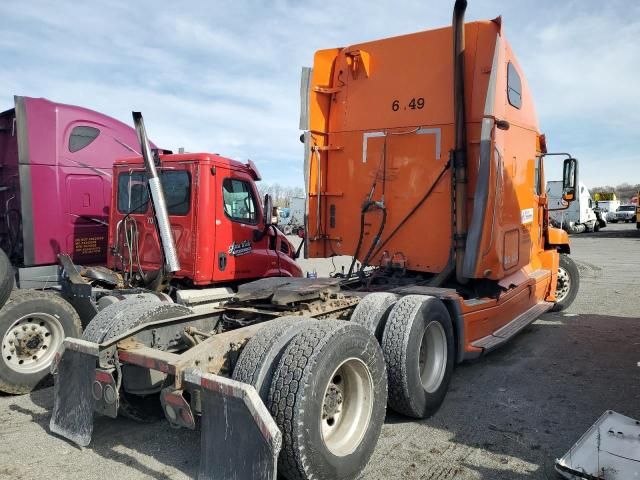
column 608, row 204
column 291, row 218
column 579, row 216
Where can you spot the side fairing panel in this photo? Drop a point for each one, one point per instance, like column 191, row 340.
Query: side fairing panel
column 505, row 232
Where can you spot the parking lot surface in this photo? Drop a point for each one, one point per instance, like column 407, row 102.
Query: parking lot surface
column 507, row 415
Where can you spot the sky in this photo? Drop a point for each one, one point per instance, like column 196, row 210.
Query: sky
column 224, row 77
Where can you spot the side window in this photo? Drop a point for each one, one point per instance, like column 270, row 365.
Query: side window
column 133, row 193
column 81, row 137
column 514, row 86
column 177, row 191
column 239, row 203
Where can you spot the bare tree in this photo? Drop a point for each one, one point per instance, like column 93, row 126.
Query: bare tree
column 280, row 194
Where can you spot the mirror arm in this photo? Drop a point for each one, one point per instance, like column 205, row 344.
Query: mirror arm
column 259, row 234
column 559, row 209
column 297, row 255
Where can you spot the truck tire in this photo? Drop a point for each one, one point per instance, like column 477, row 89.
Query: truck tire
column 568, row 283
column 99, row 326
column 259, row 358
column 113, row 321
column 373, row 310
column 33, row 325
column 7, row 277
column 117, row 319
column 419, row 348
column 328, row 397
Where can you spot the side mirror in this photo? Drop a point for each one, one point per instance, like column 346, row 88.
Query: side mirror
column 268, row 210
column 569, row 179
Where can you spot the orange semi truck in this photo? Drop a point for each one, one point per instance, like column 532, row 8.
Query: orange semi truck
column 451, row 197
column 424, row 161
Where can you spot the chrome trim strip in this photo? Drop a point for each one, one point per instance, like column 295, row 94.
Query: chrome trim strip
column 306, row 136
column 480, row 198
column 420, row 131
column 24, row 174
column 305, row 89
column 435, row 131
column 365, row 138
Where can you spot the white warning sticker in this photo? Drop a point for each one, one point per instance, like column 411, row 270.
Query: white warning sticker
column 526, row 216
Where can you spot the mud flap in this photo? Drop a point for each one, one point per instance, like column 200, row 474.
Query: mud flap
column 73, row 405
column 239, row 439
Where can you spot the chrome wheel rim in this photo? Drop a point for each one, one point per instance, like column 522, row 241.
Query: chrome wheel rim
column 347, row 407
column 563, row 285
column 31, row 342
column 433, row 356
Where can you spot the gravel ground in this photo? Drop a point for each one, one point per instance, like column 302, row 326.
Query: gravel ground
column 507, row 415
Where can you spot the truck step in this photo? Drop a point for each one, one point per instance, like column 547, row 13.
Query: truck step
column 512, row 328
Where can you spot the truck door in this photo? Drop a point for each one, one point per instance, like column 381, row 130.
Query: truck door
column 133, row 201
column 243, row 249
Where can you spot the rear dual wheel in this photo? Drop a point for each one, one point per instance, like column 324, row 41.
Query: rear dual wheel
column 327, row 394
column 418, row 344
column 373, row 311
column 419, row 348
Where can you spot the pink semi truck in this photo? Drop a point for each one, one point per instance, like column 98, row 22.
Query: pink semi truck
column 55, row 188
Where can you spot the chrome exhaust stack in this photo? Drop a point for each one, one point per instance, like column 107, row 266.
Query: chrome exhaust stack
column 157, row 198
column 460, row 152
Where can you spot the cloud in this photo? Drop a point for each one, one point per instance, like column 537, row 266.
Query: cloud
column 224, row 76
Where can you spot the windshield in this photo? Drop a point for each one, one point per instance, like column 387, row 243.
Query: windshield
column 627, row 208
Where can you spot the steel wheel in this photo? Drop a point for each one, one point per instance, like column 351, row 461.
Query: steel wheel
column 31, row 342
column 564, row 284
column 433, row 356
column 347, row 407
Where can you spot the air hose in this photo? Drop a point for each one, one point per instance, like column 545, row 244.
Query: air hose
column 377, row 237
column 363, row 212
column 415, row 208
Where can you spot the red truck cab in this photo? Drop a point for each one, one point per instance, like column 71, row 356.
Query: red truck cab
column 216, row 217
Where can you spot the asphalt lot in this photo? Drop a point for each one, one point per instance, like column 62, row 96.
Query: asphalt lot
column 507, row 415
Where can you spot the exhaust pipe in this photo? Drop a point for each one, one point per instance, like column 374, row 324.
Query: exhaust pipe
column 460, row 125
column 157, row 198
